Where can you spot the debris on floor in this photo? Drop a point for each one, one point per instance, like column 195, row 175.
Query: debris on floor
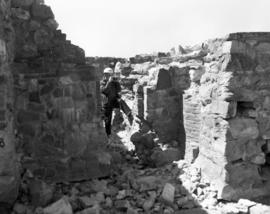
column 133, row 189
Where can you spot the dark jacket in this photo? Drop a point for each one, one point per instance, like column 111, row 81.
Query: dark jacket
column 111, row 89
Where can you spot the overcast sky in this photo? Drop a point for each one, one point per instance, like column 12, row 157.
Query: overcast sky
column 128, row 27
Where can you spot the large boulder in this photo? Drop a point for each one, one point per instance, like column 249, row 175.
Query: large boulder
column 61, row 206
column 161, row 158
column 259, row 209
column 41, row 193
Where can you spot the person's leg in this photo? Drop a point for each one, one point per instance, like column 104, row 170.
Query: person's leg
column 104, row 102
column 117, row 119
column 108, row 120
column 125, row 108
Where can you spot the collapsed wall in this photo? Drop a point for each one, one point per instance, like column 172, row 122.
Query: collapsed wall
column 56, row 92
column 225, row 109
column 234, row 94
column 158, row 99
column 52, row 94
column 192, row 114
column 226, row 115
column 213, row 101
column 9, row 167
column 161, row 105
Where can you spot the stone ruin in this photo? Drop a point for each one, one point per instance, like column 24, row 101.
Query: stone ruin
column 211, row 102
column 50, row 122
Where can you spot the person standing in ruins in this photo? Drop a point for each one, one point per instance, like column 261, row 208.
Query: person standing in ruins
column 110, row 89
column 111, row 97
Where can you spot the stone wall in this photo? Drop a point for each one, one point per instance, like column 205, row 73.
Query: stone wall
column 161, row 102
column 158, row 98
column 57, row 117
column 234, row 134
column 212, row 100
column 225, row 109
column 9, row 167
column 167, row 96
column 192, row 114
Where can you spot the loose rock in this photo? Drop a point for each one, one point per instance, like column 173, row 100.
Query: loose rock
column 61, row 206
column 168, row 193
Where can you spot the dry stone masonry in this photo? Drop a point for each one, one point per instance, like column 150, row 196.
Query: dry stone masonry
column 49, row 106
column 158, row 98
column 208, row 104
column 9, row 167
column 56, row 101
column 225, row 109
column 221, row 122
column 234, row 93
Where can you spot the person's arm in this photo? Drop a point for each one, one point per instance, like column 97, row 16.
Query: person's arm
column 118, row 90
column 104, row 87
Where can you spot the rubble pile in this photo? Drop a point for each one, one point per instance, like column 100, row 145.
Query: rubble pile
column 131, row 189
column 149, row 149
column 212, row 101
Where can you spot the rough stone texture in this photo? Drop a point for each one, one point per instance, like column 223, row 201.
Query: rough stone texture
column 192, row 123
column 158, row 99
column 259, row 209
column 60, row 207
column 192, row 113
column 168, row 193
column 162, row 112
column 221, row 87
column 56, row 97
column 226, row 109
column 154, row 89
column 234, row 96
column 9, row 171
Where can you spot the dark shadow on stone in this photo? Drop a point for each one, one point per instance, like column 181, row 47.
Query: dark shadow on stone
column 191, row 206
column 182, row 132
column 164, row 80
column 5, row 208
column 192, row 211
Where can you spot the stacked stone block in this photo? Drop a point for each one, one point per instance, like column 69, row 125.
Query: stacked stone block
column 234, row 93
column 162, row 112
column 225, row 107
column 192, row 115
column 138, row 105
column 56, row 97
column 9, row 167
column 162, row 102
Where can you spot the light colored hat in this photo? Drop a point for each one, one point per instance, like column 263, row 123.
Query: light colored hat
column 108, row 71
column 118, row 67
